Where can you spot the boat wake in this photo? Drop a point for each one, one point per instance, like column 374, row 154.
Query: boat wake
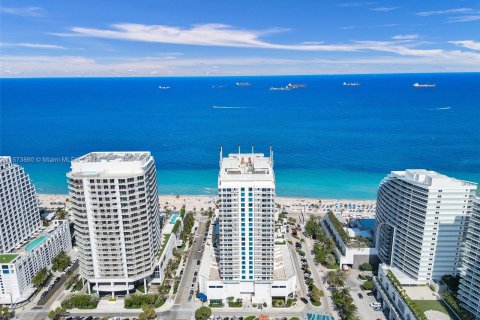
column 440, row 109
column 227, row 107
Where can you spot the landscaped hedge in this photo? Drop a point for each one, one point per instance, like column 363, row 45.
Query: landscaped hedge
column 176, row 226
column 137, row 301
column 339, row 227
column 452, row 301
column 412, row 305
column 80, row 301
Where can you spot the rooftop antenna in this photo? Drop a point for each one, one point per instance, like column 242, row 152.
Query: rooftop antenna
column 221, row 155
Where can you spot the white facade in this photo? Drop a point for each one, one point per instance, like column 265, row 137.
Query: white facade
column 469, row 289
column 16, row 275
column 350, row 256
column 247, row 264
column 421, row 221
column 168, row 243
column 25, row 245
column 114, row 204
column 392, row 301
column 19, row 214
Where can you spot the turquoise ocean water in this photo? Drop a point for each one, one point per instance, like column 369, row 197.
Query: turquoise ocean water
column 330, row 141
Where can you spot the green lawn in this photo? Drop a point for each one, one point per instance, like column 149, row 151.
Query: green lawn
column 7, row 258
column 425, row 305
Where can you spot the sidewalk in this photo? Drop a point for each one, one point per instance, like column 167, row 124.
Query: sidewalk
column 105, row 306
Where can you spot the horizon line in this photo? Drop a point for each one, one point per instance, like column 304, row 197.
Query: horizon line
column 237, row 76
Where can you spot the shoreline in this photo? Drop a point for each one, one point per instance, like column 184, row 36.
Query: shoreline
column 346, row 207
column 43, row 194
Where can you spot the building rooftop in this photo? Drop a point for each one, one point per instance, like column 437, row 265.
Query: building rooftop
column 113, row 157
column 110, row 164
column 431, row 178
column 246, row 166
column 283, row 267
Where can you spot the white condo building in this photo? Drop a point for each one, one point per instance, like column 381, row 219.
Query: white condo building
column 421, row 224
column 20, row 216
column 25, row 245
column 246, row 263
column 116, row 212
column 469, row 289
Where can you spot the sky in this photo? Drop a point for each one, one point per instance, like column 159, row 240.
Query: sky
column 217, row 37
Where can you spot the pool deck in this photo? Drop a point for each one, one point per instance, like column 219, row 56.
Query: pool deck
column 37, row 238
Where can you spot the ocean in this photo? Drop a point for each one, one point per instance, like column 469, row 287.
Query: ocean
column 329, row 141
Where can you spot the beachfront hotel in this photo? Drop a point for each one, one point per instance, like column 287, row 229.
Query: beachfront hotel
column 243, row 261
column 469, row 289
column 25, row 245
column 114, row 204
column 421, row 222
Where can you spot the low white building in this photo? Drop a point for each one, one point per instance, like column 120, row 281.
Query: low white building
column 170, row 239
column 20, row 265
column 355, row 252
column 393, row 304
column 215, row 288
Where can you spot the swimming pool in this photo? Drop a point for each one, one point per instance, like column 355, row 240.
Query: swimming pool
column 313, row 316
column 34, row 243
column 173, row 218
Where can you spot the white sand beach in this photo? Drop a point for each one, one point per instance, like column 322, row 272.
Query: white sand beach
column 199, row 202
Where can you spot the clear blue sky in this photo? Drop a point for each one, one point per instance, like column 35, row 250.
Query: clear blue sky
column 157, row 38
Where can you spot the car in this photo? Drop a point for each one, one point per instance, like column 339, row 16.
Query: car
column 88, row 318
column 375, row 304
column 193, row 285
column 194, row 279
column 200, row 250
column 360, row 295
column 198, row 262
column 370, row 293
column 195, row 274
column 304, row 300
column 377, row 308
column 181, row 272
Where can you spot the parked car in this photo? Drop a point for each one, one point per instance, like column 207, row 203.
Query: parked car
column 304, row 300
column 360, row 295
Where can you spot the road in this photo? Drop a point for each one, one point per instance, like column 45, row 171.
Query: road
column 193, row 256
column 327, row 304
column 182, row 308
